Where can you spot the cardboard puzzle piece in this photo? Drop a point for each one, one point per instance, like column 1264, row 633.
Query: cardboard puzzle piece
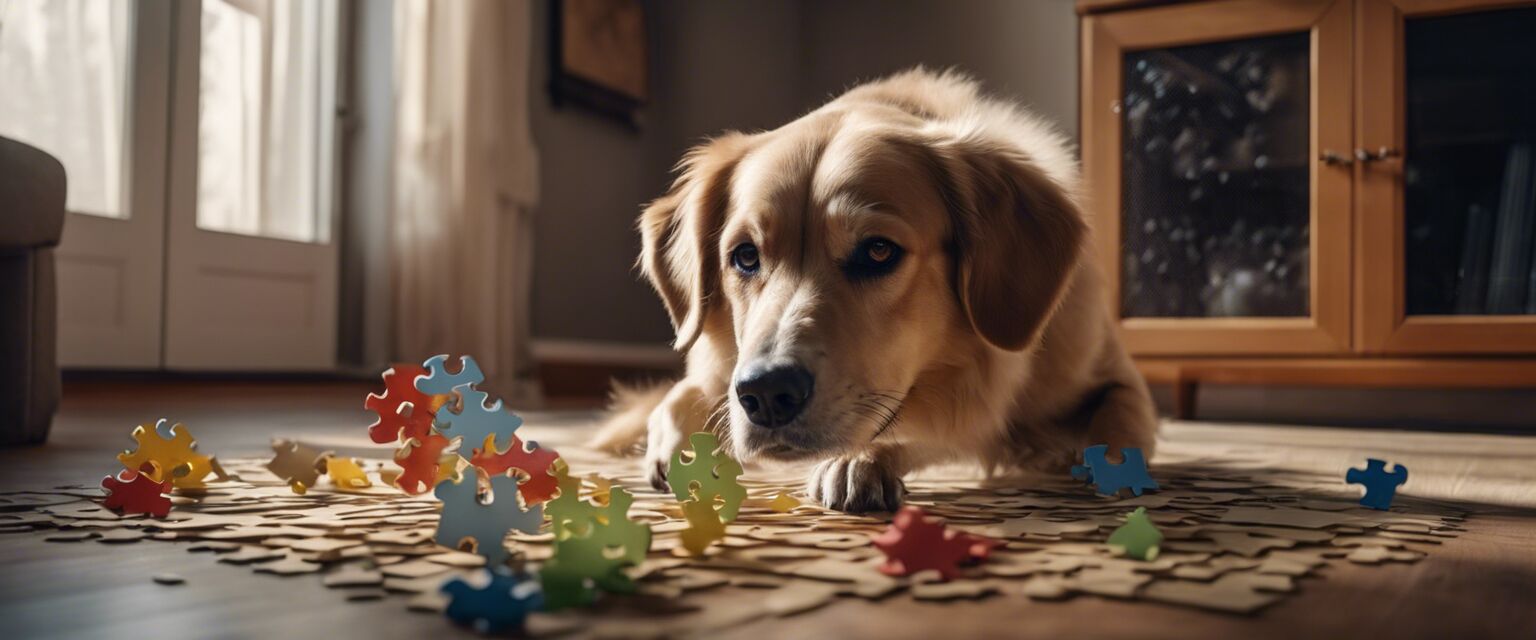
column 298, row 465
column 582, row 565
column 914, row 543
column 709, row 475
column 439, row 381
column 704, row 526
column 1380, row 485
column 481, row 426
column 132, row 492
column 1110, row 478
column 569, row 515
column 346, row 474
column 498, row 607
column 404, row 412
column 466, row 517
column 421, row 464
column 162, row 458
column 534, row 466
column 1138, row 537
column 783, row 503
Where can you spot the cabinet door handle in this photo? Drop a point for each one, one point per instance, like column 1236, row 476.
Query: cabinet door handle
column 1383, row 153
column 1334, row 159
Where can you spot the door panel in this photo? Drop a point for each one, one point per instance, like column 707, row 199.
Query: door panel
column 1222, row 229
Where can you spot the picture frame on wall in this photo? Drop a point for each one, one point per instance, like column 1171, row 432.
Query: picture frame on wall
column 599, row 58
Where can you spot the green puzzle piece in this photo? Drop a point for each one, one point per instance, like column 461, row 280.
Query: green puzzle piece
column 709, row 475
column 592, row 546
column 1138, row 536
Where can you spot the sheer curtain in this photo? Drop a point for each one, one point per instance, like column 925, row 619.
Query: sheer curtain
column 466, row 182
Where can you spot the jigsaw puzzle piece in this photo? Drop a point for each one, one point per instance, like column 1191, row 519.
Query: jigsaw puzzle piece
column 586, row 564
column 167, row 453
column 532, row 462
column 1138, row 537
column 298, row 465
column 501, row 606
column 404, row 412
column 709, row 475
column 131, row 492
column 704, row 526
column 914, row 543
column 1111, row 478
column 1380, row 485
column 346, row 474
column 439, row 381
column 421, row 463
column 480, row 422
column 466, row 516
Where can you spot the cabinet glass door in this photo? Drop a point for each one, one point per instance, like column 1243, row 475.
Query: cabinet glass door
column 1222, row 228
column 1447, row 142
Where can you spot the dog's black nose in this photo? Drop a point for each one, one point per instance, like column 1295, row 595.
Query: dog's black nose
column 773, row 395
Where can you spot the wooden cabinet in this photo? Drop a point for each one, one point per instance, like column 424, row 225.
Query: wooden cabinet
column 1305, row 185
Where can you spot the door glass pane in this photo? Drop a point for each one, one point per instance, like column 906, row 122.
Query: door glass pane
column 63, row 88
column 264, row 120
column 1216, row 179
column 1470, row 174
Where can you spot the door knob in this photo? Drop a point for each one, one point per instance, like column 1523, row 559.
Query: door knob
column 1382, row 153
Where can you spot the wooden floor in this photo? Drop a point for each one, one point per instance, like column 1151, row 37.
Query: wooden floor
column 1482, row 584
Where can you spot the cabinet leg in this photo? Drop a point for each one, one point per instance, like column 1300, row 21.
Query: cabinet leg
column 1184, row 392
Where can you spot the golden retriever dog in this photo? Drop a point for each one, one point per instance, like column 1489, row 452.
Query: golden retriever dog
column 896, row 279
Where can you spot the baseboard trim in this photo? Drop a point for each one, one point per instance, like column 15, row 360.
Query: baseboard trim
column 583, row 370
column 657, row 356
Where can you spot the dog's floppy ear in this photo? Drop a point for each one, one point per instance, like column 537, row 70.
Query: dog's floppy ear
column 1018, row 236
column 679, row 233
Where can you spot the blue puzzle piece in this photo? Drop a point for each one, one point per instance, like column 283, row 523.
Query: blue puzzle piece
column 1111, row 478
column 475, row 421
column 464, row 516
column 438, row 381
column 1380, row 486
column 501, row 606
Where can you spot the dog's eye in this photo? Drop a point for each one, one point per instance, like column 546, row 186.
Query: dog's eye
column 744, row 258
column 873, row 257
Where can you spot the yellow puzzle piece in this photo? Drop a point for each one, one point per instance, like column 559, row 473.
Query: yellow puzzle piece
column 783, row 503
column 175, row 459
column 346, row 474
column 704, row 526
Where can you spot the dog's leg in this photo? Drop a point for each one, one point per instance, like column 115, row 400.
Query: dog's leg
column 687, row 408
column 1125, row 417
column 869, row 481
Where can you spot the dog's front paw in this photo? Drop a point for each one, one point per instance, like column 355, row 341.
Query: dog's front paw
column 856, row 484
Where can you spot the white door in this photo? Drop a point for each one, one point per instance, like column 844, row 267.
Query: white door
column 251, row 271
column 87, row 81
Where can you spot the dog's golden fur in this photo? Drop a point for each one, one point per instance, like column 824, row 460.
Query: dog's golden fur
column 989, row 340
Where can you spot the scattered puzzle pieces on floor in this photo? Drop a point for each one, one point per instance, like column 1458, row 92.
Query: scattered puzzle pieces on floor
column 498, row 607
column 707, row 475
column 161, row 458
column 1380, row 485
column 1138, row 537
column 131, row 492
column 1110, row 478
column 486, row 523
column 404, row 412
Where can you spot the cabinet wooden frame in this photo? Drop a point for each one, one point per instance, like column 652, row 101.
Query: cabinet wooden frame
column 1381, row 321
column 1105, row 40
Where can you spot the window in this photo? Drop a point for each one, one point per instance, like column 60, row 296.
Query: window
column 265, row 111
column 64, row 88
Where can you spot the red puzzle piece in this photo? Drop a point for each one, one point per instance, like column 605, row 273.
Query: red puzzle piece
column 399, row 391
column 533, row 461
column 132, row 492
column 420, row 463
column 914, row 543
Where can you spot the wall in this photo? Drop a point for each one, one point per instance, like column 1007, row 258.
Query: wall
column 713, row 65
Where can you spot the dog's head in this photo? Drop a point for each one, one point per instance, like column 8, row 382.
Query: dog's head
column 847, row 254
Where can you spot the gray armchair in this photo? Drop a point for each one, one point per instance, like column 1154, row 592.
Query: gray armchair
column 32, row 192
